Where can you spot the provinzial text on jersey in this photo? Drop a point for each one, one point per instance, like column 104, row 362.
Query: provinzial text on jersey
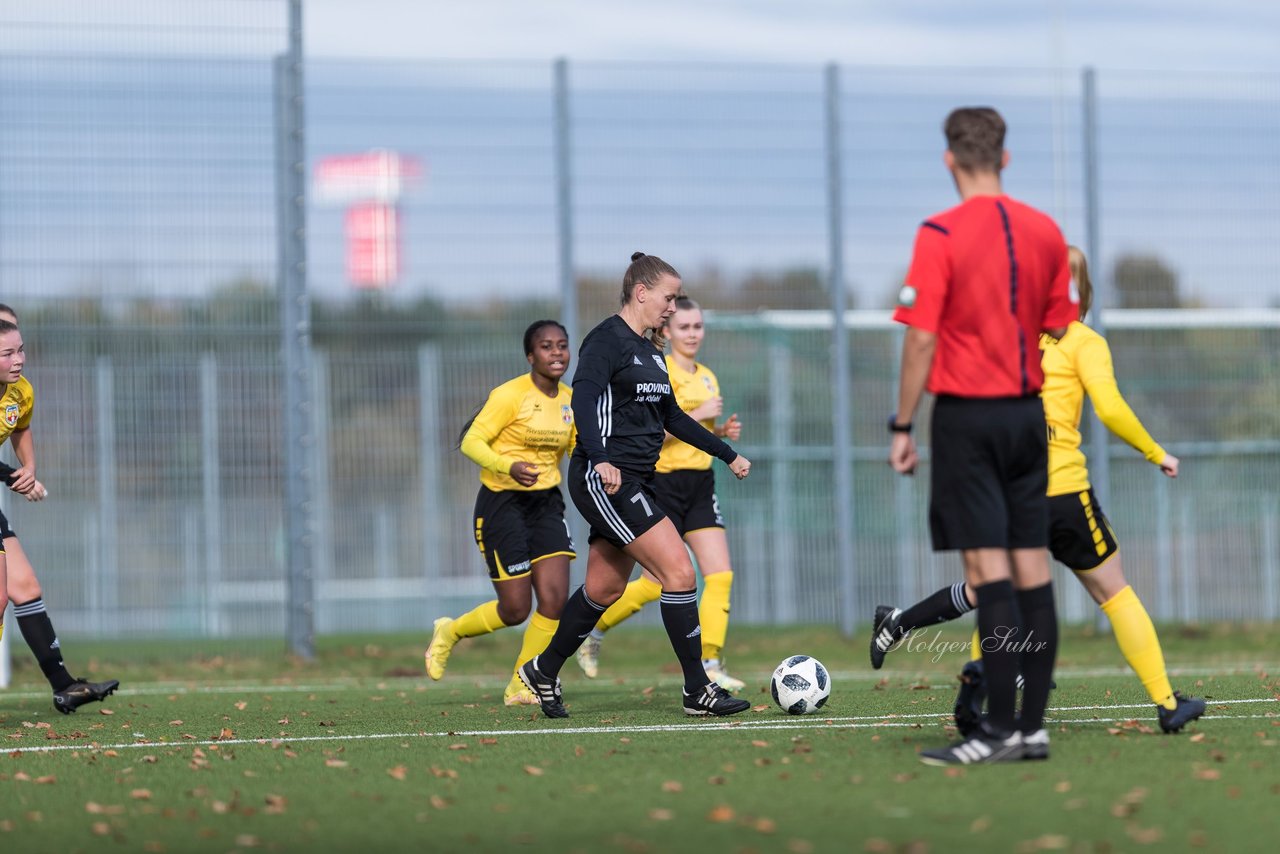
column 651, row 392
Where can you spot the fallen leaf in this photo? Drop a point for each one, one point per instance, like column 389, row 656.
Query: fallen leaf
column 1144, row 835
column 1197, row 738
column 488, row 741
column 533, row 770
column 980, row 824
column 760, row 708
column 101, row 828
column 175, row 723
column 459, row 746
column 241, row 706
column 247, row 840
column 673, row 786
column 765, row 825
column 1062, row 786
column 439, row 802
column 335, row 763
column 141, row 794
column 106, row 712
column 758, row 743
column 399, row 772
column 1202, row 774
column 661, row 814
column 46, row 779
column 720, row 814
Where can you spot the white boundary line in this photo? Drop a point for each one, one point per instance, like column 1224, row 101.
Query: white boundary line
column 776, row 724
column 414, row 683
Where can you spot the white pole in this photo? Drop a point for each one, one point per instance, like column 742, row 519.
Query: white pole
column 6, row 665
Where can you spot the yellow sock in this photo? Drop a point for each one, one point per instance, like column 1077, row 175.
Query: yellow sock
column 537, row 635
column 1137, row 640
column 1, row 630
column 480, row 620
column 713, row 612
column 638, row 593
column 975, row 646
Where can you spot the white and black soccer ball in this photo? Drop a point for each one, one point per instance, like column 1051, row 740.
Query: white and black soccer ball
column 800, row 685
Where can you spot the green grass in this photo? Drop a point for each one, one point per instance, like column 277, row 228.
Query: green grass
column 247, row 750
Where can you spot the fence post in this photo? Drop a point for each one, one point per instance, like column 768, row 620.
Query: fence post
column 842, row 429
column 1099, row 451
column 1164, row 549
column 108, row 575
column 433, row 548
column 295, row 343
column 782, row 543
column 1189, row 610
column 211, row 495
column 1270, row 558
column 562, row 130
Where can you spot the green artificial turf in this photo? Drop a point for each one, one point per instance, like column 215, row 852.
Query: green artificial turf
column 244, row 749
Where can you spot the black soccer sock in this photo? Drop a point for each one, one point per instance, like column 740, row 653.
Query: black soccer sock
column 1000, row 630
column 37, row 630
column 576, row 622
column 1040, row 625
column 939, row 607
column 680, row 616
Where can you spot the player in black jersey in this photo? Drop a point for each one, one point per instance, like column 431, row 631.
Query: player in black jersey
column 623, row 407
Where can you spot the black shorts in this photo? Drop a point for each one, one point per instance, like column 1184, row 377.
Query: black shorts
column 689, row 497
column 989, row 472
column 1080, row 537
column 618, row 518
column 514, row 530
column 5, row 531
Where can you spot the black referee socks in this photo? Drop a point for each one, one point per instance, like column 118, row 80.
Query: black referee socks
column 680, row 616
column 1040, row 622
column 1000, row 635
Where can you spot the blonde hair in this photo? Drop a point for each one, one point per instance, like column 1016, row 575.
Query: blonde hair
column 1080, row 274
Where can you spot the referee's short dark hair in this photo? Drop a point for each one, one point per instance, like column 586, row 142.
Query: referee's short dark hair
column 975, row 138
column 644, row 268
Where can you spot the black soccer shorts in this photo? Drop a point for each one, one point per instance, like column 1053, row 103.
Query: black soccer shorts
column 1080, row 537
column 514, row 529
column 989, row 471
column 617, row 518
column 689, row 497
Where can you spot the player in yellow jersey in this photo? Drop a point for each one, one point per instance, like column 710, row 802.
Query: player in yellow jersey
column 686, row 487
column 518, row 439
column 1080, row 536
column 18, row 582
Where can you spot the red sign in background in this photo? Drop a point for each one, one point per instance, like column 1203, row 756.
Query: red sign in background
column 373, row 244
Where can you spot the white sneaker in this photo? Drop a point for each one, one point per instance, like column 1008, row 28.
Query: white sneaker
column 588, row 656
column 716, row 673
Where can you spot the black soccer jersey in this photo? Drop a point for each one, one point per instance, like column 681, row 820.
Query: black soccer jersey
column 623, row 403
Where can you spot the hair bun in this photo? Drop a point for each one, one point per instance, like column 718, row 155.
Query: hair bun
column 636, row 256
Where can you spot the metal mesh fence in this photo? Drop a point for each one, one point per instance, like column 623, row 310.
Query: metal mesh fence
column 138, row 242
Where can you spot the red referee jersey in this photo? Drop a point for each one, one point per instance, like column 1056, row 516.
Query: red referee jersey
column 987, row 277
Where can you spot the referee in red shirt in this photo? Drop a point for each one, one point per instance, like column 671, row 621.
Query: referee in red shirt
column 986, row 277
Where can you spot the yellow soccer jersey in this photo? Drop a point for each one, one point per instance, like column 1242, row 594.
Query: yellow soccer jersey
column 16, row 404
column 692, row 389
column 1076, row 364
column 521, row 424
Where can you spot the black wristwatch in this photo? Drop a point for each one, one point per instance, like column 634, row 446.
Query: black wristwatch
column 895, row 427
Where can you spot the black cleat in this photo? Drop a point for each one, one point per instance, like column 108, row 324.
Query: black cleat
column 884, row 633
column 713, row 700
column 971, row 699
column 80, row 692
column 546, row 689
column 984, row 747
column 1187, row 710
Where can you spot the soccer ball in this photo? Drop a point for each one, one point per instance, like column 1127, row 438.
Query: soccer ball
column 800, row 685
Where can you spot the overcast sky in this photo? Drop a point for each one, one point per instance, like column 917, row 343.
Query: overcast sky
column 1239, row 35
